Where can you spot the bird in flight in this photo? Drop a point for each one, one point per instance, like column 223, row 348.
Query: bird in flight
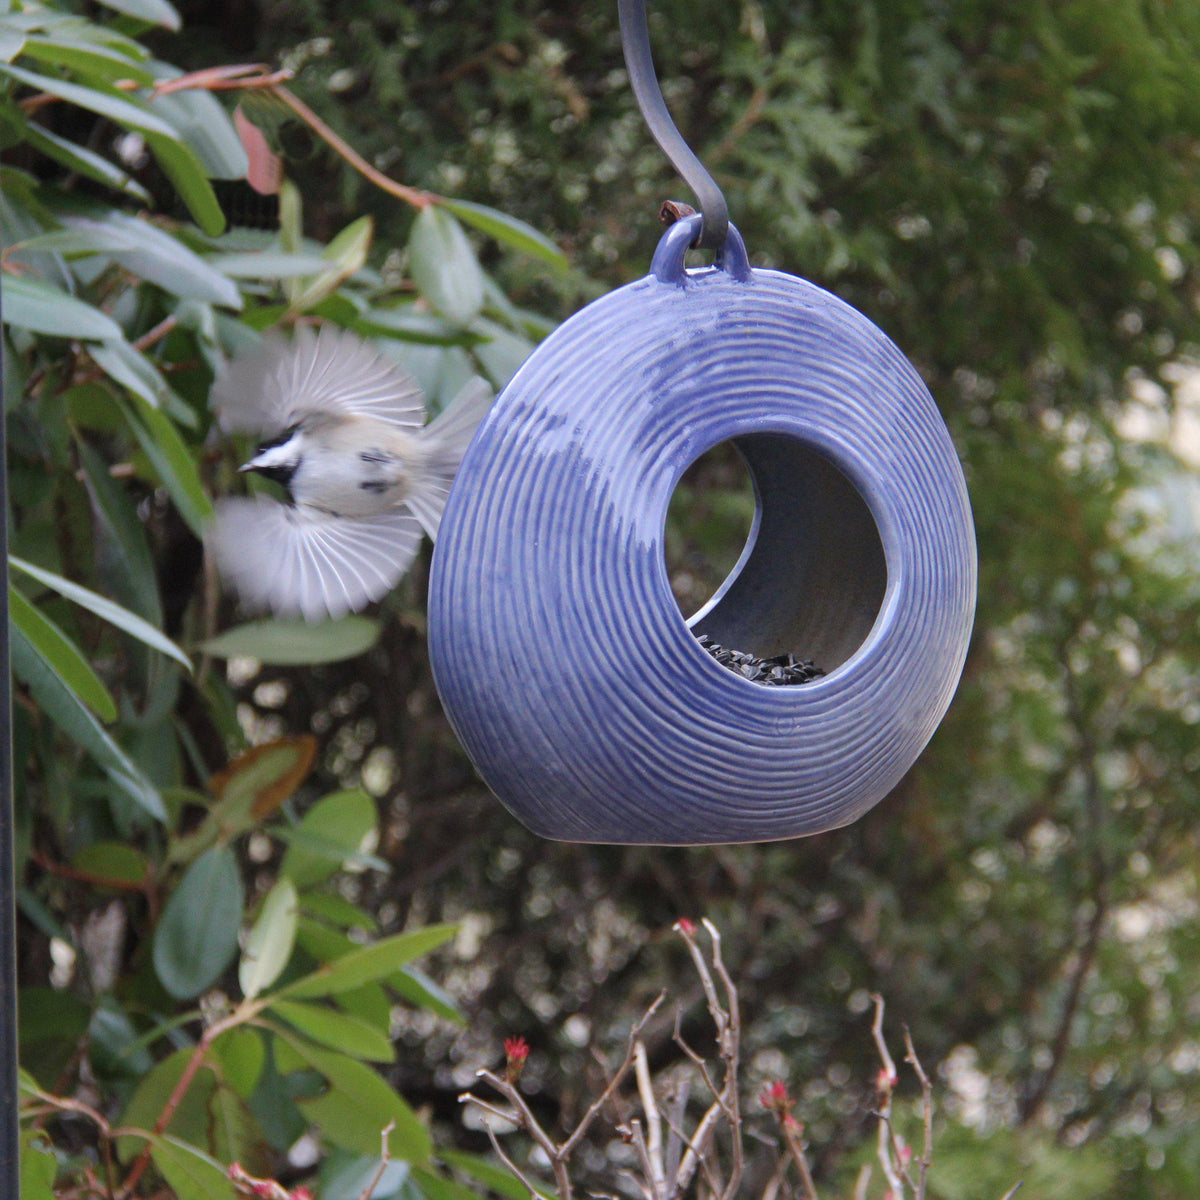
column 343, row 430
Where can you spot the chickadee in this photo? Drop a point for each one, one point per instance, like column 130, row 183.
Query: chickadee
column 344, row 433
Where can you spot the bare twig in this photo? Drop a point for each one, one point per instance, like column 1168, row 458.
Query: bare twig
column 862, row 1182
column 1012, row 1191
column 791, row 1136
column 413, row 196
column 385, row 1157
column 877, row 1033
column 654, row 1147
column 886, row 1150
column 534, row 1193
column 529, row 1123
column 910, row 1057
column 595, row 1108
column 633, row 1134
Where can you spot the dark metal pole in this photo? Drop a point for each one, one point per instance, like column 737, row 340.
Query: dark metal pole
column 10, row 1165
column 635, row 42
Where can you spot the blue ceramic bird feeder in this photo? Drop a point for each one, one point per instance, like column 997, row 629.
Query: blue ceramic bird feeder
column 580, row 692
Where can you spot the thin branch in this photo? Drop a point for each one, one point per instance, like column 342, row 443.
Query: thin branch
column 246, row 1011
column 877, row 1033
column 529, row 1123
column 885, row 1152
column 414, row 196
column 791, row 1135
column 730, row 1053
column 615, row 1082
column 385, row 1157
column 910, row 1057
column 634, row 1135
column 771, row 1191
column 534, row 1192
column 862, row 1182
column 697, row 1149
column 1012, row 1191
column 654, row 1148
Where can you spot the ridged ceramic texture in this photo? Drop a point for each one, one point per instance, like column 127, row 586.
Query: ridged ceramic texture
column 562, row 660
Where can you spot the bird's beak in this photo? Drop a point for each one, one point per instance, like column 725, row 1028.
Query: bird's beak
column 258, row 463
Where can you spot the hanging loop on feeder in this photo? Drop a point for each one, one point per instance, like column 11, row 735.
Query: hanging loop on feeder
column 635, row 42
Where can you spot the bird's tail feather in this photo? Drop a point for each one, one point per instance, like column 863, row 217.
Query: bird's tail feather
column 445, row 441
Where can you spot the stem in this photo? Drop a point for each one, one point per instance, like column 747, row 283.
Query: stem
column 418, row 199
column 243, row 1013
column 910, row 1057
column 791, row 1136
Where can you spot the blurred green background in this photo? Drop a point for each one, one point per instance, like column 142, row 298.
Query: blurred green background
column 1010, row 191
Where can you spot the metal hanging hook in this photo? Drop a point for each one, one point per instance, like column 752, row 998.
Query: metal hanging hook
column 635, row 42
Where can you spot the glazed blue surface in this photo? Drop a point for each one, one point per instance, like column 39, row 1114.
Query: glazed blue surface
column 565, row 667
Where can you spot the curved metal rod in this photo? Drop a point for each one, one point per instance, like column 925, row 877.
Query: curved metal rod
column 635, row 42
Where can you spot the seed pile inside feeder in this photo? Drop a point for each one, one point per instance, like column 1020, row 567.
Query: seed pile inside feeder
column 780, row 671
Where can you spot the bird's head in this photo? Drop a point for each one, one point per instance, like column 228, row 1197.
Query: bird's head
column 278, row 458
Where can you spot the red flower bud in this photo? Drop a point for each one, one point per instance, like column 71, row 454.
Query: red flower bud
column 686, row 927
column 301, row 1193
column 516, row 1051
column 775, row 1097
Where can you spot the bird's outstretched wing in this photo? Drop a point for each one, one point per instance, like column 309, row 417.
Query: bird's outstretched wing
column 275, row 384
column 298, row 561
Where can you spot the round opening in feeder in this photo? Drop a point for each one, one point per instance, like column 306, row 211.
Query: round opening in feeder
column 811, row 577
column 709, row 520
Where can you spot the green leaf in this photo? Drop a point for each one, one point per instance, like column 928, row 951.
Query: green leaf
column 419, row 990
column 39, row 1166
column 406, row 325
column 437, row 1187
column 337, row 910
column 190, row 1173
column 368, row 963
column 31, row 304
column 11, row 41
column 60, row 703
column 339, row 1031
column 75, row 157
column 345, row 821
column 173, row 462
column 154, row 255
column 296, row 643
column 117, row 861
column 444, row 266
column 191, row 1119
column 131, row 369
column 121, row 541
column 266, row 265
column 62, row 654
column 125, row 112
column 509, row 231
column 93, row 62
column 157, row 12
column 347, row 252
column 240, row 1055
column 197, row 935
column 184, row 169
column 269, row 944
column 203, row 125
column 106, row 609
column 358, row 1106
column 491, row 1176
column 346, row 1176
